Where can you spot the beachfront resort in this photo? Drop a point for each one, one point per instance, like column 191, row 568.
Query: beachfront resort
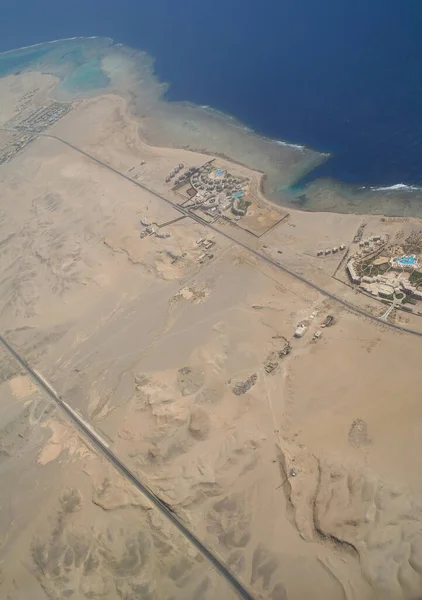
column 389, row 271
column 211, row 189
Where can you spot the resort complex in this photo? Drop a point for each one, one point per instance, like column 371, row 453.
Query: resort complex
column 213, row 190
column 389, row 271
column 23, row 128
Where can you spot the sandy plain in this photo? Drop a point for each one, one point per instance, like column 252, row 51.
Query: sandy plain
column 303, row 480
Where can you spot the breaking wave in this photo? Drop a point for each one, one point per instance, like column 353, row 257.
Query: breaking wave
column 398, row 187
column 297, row 146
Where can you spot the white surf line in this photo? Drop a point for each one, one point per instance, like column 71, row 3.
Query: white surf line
column 51, row 42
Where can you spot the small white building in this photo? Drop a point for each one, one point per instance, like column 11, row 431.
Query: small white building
column 300, row 331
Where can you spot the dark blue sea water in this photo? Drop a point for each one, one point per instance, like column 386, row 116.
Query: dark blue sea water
column 343, row 77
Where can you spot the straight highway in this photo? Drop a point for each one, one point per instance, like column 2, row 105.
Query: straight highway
column 103, row 448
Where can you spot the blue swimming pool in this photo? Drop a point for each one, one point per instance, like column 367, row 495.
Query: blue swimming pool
column 406, row 261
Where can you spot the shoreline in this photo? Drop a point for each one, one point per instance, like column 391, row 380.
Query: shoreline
column 175, row 339
column 354, row 199
column 211, row 112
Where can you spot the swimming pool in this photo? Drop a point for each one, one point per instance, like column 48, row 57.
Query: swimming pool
column 406, row 261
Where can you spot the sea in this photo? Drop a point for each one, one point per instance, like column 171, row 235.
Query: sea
column 248, row 80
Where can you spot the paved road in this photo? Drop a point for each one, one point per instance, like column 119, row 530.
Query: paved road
column 104, row 449
column 263, row 257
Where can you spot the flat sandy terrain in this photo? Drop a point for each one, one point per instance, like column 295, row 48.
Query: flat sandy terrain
column 303, row 479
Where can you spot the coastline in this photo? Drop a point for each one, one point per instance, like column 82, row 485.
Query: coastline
column 185, row 125
column 150, row 340
column 137, row 65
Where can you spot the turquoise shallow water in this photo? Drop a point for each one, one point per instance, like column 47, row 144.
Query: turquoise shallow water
column 13, row 62
column 340, row 77
column 88, row 76
column 90, row 66
column 77, row 62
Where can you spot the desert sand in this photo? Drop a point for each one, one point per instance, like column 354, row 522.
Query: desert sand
column 304, row 479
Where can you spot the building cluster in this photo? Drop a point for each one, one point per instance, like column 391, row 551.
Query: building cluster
column 367, row 246
column 382, row 286
column 272, row 361
column 175, row 171
column 183, row 177
column 205, row 245
column 239, row 207
column 371, row 244
column 411, row 290
column 26, row 100
column 303, row 326
column 14, row 144
column 28, row 126
column 42, row 117
column 359, row 233
column 214, row 191
column 149, row 229
column 333, row 250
